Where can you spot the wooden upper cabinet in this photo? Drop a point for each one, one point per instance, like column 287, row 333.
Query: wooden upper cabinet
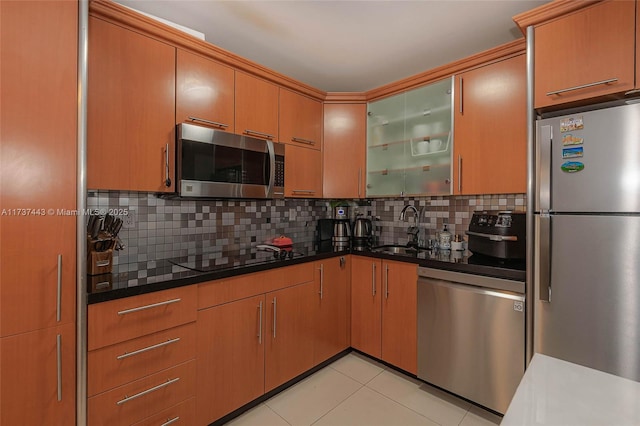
column 204, row 92
column 300, row 120
column 131, row 111
column 586, row 54
column 256, row 107
column 399, row 315
column 37, row 167
column 344, row 163
column 490, row 151
column 302, row 172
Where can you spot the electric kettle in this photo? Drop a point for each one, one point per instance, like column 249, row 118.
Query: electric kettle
column 362, row 228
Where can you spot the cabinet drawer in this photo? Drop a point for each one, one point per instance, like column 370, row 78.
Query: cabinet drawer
column 181, row 414
column 124, row 362
column 217, row 292
column 143, row 398
column 125, row 319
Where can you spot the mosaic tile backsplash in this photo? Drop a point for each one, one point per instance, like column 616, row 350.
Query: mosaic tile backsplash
column 157, row 228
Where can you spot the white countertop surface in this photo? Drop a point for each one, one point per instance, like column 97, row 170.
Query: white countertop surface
column 556, row 392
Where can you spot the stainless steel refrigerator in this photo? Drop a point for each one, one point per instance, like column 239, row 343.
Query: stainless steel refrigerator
column 587, row 251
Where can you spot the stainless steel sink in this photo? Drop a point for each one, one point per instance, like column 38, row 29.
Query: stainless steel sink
column 394, row 249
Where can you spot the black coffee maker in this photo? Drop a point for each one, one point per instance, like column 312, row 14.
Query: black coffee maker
column 335, row 232
column 341, row 227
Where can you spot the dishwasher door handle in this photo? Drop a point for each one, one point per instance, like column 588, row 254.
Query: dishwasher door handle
column 473, row 289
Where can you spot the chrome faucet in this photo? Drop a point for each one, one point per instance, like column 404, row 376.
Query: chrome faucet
column 416, row 215
column 414, row 230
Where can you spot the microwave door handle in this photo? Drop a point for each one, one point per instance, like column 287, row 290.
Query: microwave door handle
column 272, row 168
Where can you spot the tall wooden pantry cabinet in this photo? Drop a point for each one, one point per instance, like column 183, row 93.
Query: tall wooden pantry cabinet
column 37, row 182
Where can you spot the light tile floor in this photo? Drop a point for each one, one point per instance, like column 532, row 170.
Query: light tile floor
column 356, row 390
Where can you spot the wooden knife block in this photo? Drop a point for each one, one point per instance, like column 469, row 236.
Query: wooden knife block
column 98, row 262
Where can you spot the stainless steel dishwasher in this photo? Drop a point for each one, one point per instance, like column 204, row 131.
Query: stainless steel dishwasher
column 471, row 335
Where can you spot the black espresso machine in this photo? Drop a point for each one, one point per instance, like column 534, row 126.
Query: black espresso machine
column 498, row 234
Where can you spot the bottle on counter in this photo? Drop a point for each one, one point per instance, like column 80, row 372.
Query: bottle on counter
column 445, row 239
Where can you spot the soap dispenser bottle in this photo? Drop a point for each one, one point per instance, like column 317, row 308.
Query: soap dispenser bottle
column 445, row 239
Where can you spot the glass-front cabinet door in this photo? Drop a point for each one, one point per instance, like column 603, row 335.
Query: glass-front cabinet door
column 409, row 142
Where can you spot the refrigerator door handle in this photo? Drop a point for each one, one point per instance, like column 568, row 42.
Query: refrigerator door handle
column 543, row 172
column 544, row 257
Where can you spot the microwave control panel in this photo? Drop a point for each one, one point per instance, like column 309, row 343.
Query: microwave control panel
column 279, row 172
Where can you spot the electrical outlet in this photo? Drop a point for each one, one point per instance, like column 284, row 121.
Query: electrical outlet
column 130, row 220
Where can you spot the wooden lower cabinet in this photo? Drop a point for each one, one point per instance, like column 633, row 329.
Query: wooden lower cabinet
column 38, row 371
column 366, row 313
column 332, row 306
column 118, row 364
column 399, row 315
column 183, row 414
column 230, row 357
column 141, row 359
column 384, row 310
column 289, row 335
column 123, row 319
column 143, row 398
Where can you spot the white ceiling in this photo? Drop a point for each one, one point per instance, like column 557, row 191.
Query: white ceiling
column 339, row 46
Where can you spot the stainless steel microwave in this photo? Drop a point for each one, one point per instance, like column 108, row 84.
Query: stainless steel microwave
column 216, row 164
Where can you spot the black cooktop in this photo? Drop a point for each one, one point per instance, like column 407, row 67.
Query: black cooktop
column 220, row 260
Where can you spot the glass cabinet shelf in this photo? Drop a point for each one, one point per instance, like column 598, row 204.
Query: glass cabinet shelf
column 409, row 142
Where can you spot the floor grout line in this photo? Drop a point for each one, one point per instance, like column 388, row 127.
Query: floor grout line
column 360, row 387
column 276, row 413
column 339, row 404
column 408, row 408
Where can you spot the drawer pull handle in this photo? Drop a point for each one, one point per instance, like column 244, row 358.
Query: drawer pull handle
column 301, row 140
column 144, row 392
column 171, row 421
column 304, row 191
column 258, row 134
column 148, row 348
column 213, row 123
column 583, row 86
column 153, row 305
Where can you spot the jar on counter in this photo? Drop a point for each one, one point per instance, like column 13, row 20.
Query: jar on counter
column 456, row 244
column 445, row 239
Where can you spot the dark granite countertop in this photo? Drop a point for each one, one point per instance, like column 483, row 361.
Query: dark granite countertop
column 170, row 273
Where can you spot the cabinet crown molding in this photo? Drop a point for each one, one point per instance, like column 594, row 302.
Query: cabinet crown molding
column 498, row 53
column 549, row 11
column 128, row 18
